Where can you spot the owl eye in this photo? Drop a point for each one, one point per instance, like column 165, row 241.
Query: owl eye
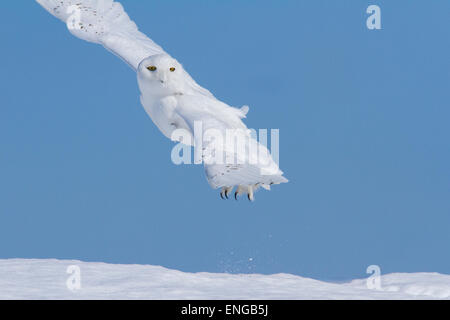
column 151, row 68
column 172, row 69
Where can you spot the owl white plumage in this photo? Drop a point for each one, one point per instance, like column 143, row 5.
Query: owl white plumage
column 173, row 100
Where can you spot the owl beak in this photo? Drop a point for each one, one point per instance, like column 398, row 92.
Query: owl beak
column 161, row 81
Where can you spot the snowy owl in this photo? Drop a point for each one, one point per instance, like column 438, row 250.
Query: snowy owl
column 174, row 101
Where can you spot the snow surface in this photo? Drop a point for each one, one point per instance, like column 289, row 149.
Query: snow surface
column 46, row 279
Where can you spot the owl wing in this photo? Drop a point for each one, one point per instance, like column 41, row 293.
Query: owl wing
column 104, row 22
column 231, row 155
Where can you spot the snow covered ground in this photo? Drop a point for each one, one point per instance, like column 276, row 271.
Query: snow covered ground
column 47, row 279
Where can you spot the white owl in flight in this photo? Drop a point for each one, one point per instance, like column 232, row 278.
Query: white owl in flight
column 174, row 101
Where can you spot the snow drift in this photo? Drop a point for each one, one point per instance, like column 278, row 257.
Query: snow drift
column 47, row 279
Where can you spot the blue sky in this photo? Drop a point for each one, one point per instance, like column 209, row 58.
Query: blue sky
column 364, row 133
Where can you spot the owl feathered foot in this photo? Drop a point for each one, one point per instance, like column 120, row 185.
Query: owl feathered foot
column 225, row 192
column 249, row 190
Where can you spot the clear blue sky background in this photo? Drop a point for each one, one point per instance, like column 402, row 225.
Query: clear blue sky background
column 364, row 129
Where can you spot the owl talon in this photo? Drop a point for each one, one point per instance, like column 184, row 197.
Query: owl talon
column 227, row 191
column 250, row 194
column 223, row 193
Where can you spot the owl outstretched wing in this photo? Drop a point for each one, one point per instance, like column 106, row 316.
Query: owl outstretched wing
column 104, row 22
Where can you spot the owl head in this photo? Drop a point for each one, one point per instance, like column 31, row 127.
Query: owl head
column 163, row 75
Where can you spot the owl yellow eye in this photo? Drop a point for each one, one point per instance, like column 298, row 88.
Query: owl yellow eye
column 151, row 68
column 172, row 69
